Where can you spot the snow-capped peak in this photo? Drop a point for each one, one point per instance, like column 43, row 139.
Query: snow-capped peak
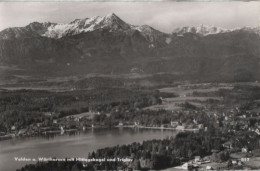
column 109, row 22
column 202, row 30
column 78, row 26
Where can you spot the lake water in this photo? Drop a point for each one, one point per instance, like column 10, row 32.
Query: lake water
column 74, row 145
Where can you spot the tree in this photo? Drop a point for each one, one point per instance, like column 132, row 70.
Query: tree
column 190, row 154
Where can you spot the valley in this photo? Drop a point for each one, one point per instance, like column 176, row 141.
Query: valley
column 101, row 88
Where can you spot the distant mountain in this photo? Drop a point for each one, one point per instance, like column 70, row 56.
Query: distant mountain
column 111, row 46
column 204, row 30
column 200, row 30
column 110, row 22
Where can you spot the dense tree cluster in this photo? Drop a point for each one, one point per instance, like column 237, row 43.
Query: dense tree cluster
column 160, row 153
column 29, row 106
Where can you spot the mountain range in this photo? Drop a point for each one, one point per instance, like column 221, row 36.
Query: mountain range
column 109, row 45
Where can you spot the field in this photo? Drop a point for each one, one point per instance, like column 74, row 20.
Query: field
column 185, row 94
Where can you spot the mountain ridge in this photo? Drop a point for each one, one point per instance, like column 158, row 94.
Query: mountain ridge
column 110, row 45
column 78, row 26
column 204, row 30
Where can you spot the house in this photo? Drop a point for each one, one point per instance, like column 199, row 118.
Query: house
column 185, row 166
column 234, row 162
column 244, row 150
column 209, row 168
column 22, row 132
column 39, row 124
column 13, row 128
column 55, row 121
column 145, row 163
column 120, row 124
column 227, row 145
column 174, row 123
column 200, row 126
column 76, row 119
column 257, row 131
column 180, row 127
column 61, row 129
column 197, row 159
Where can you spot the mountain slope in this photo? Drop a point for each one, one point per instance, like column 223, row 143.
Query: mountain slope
column 111, row 46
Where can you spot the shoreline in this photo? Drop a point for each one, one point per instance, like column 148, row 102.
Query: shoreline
column 161, row 128
column 7, row 137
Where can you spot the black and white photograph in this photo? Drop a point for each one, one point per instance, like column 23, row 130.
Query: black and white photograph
column 95, row 85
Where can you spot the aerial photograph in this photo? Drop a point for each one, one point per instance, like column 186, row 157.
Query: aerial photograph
column 127, row 85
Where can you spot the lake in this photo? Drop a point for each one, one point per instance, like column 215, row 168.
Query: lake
column 77, row 144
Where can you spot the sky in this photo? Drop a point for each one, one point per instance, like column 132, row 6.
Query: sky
column 163, row 16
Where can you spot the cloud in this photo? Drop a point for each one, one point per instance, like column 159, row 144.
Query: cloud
column 227, row 15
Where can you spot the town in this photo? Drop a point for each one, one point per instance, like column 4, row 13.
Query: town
column 218, row 127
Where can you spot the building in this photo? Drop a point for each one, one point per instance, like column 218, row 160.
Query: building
column 209, row 168
column 145, row 163
column 200, row 126
column 61, row 129
column 39, row 124
column 174, row 123
column 22, row 132
column 13, row 128
column 227, row 145
column 234, row 162
column 76, row 119
column 244, row 150
column 180, row 127
column 185, row 166
column 197, row 159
